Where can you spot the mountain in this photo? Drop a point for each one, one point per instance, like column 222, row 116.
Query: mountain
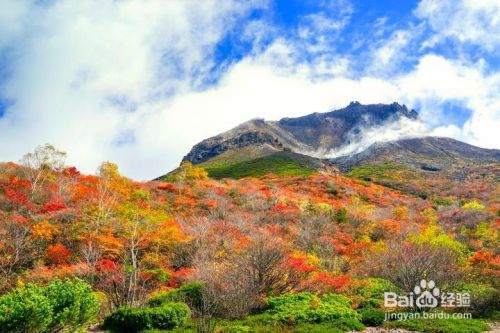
column 290, row 145
column 432, row 154
column 310, row 135
column 425, row 167
column 298, row 146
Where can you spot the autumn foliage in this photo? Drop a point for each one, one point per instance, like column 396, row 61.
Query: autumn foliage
column 245, row 239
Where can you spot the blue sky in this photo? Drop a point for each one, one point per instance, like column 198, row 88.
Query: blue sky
column 140, row 82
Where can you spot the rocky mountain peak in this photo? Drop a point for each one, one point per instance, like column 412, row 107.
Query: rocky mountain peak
column 309, row 135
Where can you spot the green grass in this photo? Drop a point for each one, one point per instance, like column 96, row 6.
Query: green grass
column 255, row 324
column 278, row 164
column 383, row 171
column 265, row 324
column 441, row 325
column 238, row 327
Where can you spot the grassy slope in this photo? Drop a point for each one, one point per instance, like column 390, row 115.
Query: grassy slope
column 382, row 171
column 280, row 163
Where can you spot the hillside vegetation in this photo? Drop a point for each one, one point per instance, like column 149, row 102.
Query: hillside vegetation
column 281, row 164
column 285, row 249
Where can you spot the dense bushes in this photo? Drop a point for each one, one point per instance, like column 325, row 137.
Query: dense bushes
column 294, row 312
column 166, row 316
column 308, row 308
column 370, row 293
column 368, row 297
column 72, row 303
column 128, row 320
column 189, row 293
column 62, row 305
column 485, row 300
column 25, row 310
column 299, row 312
column 263, row 323
column 372, row 317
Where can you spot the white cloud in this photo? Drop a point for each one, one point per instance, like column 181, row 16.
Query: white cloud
column 12, row 19
column 81, row 66
column 266, row 87
column 471, row 21
column 437, row 81
column 395, row 130
column 388, row 55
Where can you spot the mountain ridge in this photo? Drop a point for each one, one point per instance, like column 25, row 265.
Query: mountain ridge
column 311, row 134
column 429, row 153
column 306, row 141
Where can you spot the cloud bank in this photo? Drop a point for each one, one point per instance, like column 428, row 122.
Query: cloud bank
column 140, row 82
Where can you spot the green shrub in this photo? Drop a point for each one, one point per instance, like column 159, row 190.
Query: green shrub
column 62, row 305
column 170, row 315
column 25, row 309
column 166, row 316
column 375, row 288
column 372, row 317
column 371, row 294
column 441, row 325
column 338, row 326
column 189, row 293
column 485, row 300
column 341, row 215
column 264, row 323
column 308, row 308
column 128, row 320
column 104, row 304
column 73, row 303
column 370, row 303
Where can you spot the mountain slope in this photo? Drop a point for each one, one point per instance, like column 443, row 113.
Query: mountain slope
column 283, row 163
column 424, row 167
column 304, row 138
column 428, row 153
column 296, row 146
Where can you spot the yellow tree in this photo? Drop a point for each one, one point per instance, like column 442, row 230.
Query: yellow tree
column 188, row 173
column 145, row 233
column 101, row 202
